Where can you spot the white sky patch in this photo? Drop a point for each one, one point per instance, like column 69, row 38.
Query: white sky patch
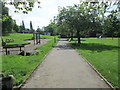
column 41, row 16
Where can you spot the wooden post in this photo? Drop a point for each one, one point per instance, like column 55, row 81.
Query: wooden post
column 39, row 38
column 20, row 48
column 36, row 39
column 6, row 51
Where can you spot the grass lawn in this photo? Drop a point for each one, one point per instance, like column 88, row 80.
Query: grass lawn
column 19, row 38
column 21, row 66
column 103, row 55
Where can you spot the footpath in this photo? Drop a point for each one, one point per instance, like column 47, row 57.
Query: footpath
column 64, row 68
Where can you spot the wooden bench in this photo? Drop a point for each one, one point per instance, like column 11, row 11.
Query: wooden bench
column 12, row 46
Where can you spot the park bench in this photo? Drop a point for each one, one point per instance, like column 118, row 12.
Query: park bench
column 12, row 46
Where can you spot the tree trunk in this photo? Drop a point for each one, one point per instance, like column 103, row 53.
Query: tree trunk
column 78, row 36
column 112, row 37
column 79, row 40
column 71, row 36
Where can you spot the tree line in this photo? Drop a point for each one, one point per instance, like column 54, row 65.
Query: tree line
column 87, row 19
column 10, row 26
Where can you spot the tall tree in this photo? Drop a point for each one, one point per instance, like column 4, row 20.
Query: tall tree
column 82, row 18
column 76, row 17
column 31, row 27
column 111, row 26
column 7, row 24
column 16, row 28
column 23, row 26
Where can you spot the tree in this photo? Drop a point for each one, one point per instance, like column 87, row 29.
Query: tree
column 84, row 19
column 111, row 26
column 75, row 17
column 16, row 28
column 24, row 6
column 23, row 26
column 7, row 24
column 48, row 29
column 31, row 27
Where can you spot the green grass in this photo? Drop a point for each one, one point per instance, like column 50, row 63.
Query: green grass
column 21, row 66
column 103, row 55
column 19, row 38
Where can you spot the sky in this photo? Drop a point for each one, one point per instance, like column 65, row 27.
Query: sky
column 40, row 16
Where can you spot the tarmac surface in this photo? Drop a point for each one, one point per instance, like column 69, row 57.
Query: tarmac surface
column 27, row 48
column 64, row 68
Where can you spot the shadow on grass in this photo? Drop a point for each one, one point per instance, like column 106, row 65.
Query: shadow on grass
column 5, row 34
column 82, row 40
column 94, row 47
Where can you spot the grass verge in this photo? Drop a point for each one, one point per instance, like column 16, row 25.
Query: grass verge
column 21, row 66
column 103, row 55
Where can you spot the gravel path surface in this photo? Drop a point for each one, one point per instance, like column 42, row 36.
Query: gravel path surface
column 28, row 48
column 64, row 68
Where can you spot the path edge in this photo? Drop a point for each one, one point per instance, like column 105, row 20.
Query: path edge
column 106, row 81
column 22, row 84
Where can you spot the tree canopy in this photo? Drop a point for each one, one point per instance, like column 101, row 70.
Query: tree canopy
column 86, row 19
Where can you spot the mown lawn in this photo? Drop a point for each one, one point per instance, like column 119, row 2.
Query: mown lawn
column 21, row 66
column 19, row 38
column 103, row 55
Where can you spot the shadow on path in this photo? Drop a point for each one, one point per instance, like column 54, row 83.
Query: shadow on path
column 64, row 47
column 65, row 68
column 63, row 40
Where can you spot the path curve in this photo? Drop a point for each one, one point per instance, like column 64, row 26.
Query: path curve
column 65, row 68
column 27, row 48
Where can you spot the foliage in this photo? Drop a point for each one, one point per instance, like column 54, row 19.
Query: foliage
column 23, row 26
column 40, row 31
column 16, row 28
column 31, row 27
column 103, row 55
column 24, row 6
column 79, row 17
column 112, row 26
column 49, row 29
column 7, row 26
column 85, row 19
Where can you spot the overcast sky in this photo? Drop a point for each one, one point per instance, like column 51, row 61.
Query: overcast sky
column 41, row 16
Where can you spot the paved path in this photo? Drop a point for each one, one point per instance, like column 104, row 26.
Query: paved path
column 28, row 48
column 64, row 68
